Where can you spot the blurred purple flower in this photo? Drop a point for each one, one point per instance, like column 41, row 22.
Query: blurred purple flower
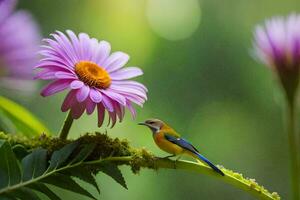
column 277, row 45
column 94, row 76
column 20, row 38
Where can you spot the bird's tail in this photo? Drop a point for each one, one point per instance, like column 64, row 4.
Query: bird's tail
column 202, row 158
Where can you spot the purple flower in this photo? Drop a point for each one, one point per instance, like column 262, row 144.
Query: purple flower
column 277, row 45
column 94, row 76
column 19, row 42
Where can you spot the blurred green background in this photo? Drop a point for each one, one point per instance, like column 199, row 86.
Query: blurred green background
column 196, row 56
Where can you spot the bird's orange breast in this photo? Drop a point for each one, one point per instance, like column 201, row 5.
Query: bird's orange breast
column 166, row 145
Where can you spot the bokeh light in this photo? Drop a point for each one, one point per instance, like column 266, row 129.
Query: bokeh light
column 173, row 19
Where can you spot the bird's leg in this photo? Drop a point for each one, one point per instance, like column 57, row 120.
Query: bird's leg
column 170, row 156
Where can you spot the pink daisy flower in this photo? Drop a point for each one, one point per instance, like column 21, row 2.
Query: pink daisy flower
column 95, row 78
column 20, row 39
column 277, row 45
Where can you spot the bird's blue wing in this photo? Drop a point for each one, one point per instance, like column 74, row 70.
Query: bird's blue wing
column 181, row 142
column 188, row 146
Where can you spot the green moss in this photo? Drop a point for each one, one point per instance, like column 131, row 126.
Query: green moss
column 142, row 158
column 105, row 147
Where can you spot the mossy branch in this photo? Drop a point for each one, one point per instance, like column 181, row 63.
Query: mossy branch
column 119, row 152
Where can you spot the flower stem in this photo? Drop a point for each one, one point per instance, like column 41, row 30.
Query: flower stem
column 293, row 147
column 66, row 127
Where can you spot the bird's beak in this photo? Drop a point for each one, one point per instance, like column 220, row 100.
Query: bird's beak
column 142, row 123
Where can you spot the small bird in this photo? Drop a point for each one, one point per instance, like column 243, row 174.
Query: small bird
column 170, row 141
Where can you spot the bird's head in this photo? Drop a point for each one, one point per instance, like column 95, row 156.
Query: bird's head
column 154, row 124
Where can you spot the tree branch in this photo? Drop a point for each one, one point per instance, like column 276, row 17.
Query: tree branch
column 119, row 152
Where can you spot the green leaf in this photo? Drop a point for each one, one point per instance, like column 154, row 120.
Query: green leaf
column 45, row 190
column 36, row 171
column 34, row 164
column 20, row 151
column 113, row 171
column 7, row 197
column 25, row 194
column 60, row 156
column 21, row 118
column 84, row 153
column 84, row 175
column 10, row 172
column 67, row 183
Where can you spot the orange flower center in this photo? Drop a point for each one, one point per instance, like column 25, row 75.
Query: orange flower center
column 92, row 74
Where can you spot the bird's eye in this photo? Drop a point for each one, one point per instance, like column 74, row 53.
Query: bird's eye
column 151, row 122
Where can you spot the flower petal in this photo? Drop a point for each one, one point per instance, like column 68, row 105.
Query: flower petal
column 77, row 110
column 64, row 46
column 69, row 101
column 135, row 99
column 54, row 87
column 95, row 95
column 126, row 73
column 112, row 119
column 101, row 114
column 130, row 84
column 102, row 52
column 90, row 106
column 76, row 84
column 53, row 64
column 64, row 75
column 68, row 46
column 115, row 61
column 107, row 103
column 75, row 42
column 65, row 59
column 83, row 93
column 131, row 109
column 114, row 96
column 119, row 109
column 46, row 74
column 128, row 90
column 85, row 46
